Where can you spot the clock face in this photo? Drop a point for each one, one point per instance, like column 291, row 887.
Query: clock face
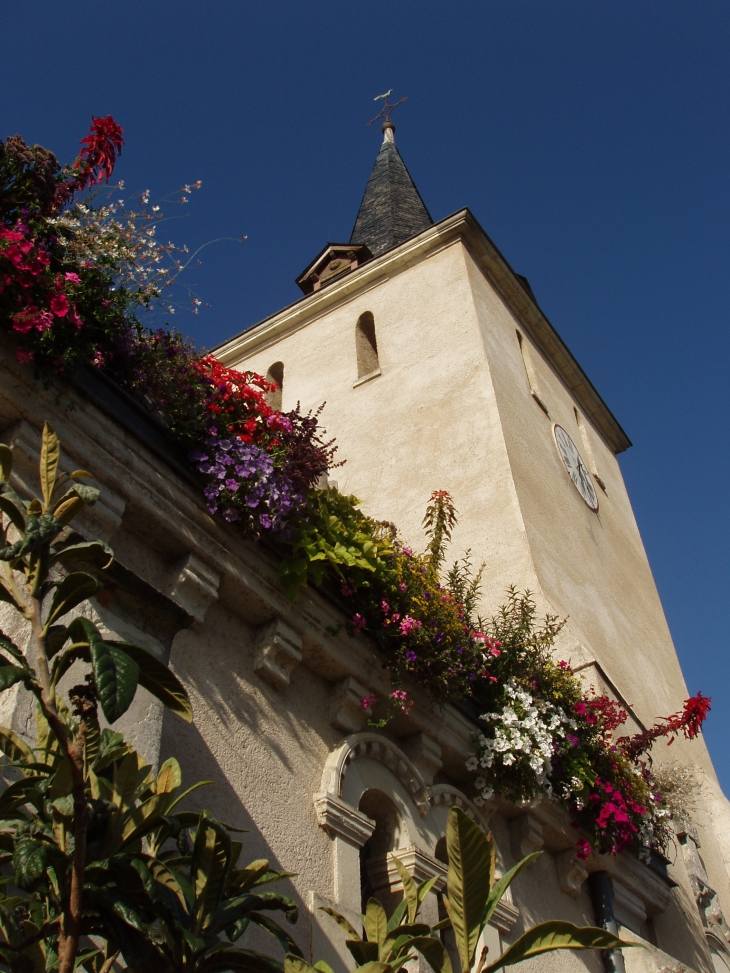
column 575, row 466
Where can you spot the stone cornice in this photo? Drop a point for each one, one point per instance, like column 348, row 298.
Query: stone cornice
column 460, row 227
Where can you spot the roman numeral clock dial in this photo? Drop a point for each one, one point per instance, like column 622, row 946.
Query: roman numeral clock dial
column 575, row 466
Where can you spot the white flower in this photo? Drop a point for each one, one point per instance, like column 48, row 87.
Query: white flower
column 471, row 763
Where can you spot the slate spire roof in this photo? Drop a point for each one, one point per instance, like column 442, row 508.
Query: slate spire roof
column 391, row 210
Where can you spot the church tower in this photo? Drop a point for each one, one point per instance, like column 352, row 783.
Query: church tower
column 441, row 371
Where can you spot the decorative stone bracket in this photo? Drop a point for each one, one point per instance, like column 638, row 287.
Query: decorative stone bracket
column 425, row 753
column 194, row 587
column 345, row 707
column 384, row 874
column 343, row 821
column 278, row 652
column 571, row 873
column 526, row 835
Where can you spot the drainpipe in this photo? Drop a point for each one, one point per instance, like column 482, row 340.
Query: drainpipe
column 599, row 884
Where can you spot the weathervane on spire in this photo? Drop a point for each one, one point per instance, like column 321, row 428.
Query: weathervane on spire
column 387, row 107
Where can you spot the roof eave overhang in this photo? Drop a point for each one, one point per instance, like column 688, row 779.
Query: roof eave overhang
column 461, row 226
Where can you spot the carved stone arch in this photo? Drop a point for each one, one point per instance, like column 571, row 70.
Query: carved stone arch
column 366, row 761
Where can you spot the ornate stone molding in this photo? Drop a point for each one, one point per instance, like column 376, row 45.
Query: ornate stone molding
column 341, row 820
column 504, row 917
column 571, row 873
column 346, row 712
column 370, row 746
column 384, row 874
column 194, row 587
column 447, row 796
column 278, row 651
column 526, row 835
column 425, row 753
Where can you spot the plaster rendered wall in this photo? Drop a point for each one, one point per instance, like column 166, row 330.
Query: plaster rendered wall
column 428, row 422
column 452, row 410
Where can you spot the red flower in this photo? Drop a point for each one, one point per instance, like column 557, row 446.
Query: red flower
column 101, row 147
column 59, row 305
column 24, row 356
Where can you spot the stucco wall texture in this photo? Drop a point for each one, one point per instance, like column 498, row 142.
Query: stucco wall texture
column 452, row 409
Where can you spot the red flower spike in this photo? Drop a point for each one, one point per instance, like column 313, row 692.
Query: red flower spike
column 99, row 155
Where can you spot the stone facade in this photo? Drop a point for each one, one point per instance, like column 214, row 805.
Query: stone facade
column 457, row 402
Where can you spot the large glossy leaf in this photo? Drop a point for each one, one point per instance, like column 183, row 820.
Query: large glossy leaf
column 470, row 877
column 10, row 674
column 6, row 462
column 434, row 953
column 209, row 868
column 410, row 889
column 86, row 551
column 124, row 782
column 50, row 456
column 363, row 952
column 341, row 922
column 14, row 747
column 12, row 511
column 169, row 777
column 557, row 934
column 376, row 922
column 74, row 589
column 500, row 887
column 165, row 877
column 160, row 681
column 239, row 960
column 287, row 943
column 115, row 675
column 29, row 861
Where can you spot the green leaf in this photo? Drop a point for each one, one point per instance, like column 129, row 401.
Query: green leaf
column 410, row 890
column 295, row 964
column 87, row 550
column 10, row 674
column 470, row 877
column 169, row 777
column 556, row 934
column 13, row 747
column 376, row 922
column 209, row 868
column 87, row 493
column 115, row 675
column 74, row 589
column 239, row 961
column 157, row 679
column 397, row 916
column 425, row 887
column 29, row 861
column 56, row 638
column 498, row 890
column 433, row 952
column 374, row 967
column 125, row 780
column 287, row 943
column 323, row 967
column 341, row 922
column 362, row 952
column 50, row 456
column 6, row 462
column 13, row 513
column 162, row 874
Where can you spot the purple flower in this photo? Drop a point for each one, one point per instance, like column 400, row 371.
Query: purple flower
column 232, row 485
column 265, row 521
column 230, row 514
column 411, row 656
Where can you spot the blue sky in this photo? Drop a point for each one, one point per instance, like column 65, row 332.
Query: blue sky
column 590, row 140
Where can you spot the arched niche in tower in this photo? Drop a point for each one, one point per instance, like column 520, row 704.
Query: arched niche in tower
column 366, row 346
column 275, row 374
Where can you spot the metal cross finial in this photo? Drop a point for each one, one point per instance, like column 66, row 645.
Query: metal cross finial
column 387, row 107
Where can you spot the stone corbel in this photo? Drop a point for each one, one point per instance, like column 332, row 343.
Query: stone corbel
column 383, row 872
column 525, row 835
column 278, row 652
column 342, row 821
column 345, row 707
column 194, row 587
column 425, row 753
column 571, row 873
column 504, row 917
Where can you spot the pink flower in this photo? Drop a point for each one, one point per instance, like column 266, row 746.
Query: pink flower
column 71, row 277
column 24, row 356
column 74, row 318
column 409, row 625
column 583, row 849
column 403, row 586
column 385, row 607
column 563, row 664
column 358, row 622
column 367, row 702
column 495, row 652
column 59, row 305
column 580, row 708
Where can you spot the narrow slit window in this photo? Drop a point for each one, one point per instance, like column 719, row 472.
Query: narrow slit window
column 275, row 374
column 366, row 346
column 530, row 372
column 588, row 449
